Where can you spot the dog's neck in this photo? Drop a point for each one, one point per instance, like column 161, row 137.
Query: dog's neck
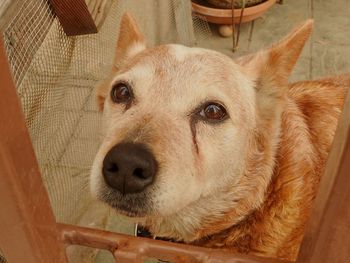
column 188, row 224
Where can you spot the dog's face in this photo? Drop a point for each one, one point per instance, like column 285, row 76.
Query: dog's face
column 179, row 125
column 192, row 109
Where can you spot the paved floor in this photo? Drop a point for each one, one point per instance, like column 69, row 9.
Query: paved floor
column 326, row 53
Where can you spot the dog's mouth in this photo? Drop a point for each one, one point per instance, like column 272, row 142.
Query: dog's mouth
column 131, row 205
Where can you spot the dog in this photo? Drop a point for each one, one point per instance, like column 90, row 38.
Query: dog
column 211, row 151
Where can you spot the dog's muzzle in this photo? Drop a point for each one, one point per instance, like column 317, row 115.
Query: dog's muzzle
column 129, row 168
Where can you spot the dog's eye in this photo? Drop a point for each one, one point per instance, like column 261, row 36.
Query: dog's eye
column 120, row 93
column 213, row 111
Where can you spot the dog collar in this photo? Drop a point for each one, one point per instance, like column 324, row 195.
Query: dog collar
column 141, row 231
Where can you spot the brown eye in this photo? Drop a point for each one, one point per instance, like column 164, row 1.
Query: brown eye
column 213, row 112
column 120, row 93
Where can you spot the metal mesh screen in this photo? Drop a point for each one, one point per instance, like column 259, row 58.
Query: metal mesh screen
column 201, row 28
column 55, row 76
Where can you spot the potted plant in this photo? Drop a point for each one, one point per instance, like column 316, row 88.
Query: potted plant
column 220, row 11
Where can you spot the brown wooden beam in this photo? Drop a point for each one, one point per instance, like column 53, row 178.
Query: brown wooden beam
column 132, row 249
column 74, row 17
column 327, row 238
column 28, row 232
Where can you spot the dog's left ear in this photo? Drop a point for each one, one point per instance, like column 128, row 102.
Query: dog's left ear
column 130, row 43
column 271, row 68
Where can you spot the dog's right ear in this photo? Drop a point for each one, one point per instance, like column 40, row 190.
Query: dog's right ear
column 130, row 42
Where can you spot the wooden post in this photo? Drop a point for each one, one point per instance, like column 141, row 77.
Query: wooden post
column 74, row 17
column 80, row 17
column 28, row 231
column 327, row 238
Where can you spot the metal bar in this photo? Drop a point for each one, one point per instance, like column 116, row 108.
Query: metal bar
column 239, row 24
column 233, row 26
column 133, row 249
column 28, row 230
column 251, row 30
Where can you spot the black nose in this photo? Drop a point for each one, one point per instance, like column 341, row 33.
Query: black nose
column 129, row 167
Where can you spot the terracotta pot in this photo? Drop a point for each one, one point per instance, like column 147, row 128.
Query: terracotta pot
column 237, row 4
column 224, row 16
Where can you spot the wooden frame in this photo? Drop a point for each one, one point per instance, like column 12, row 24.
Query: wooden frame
column 29, row 233
column 128, row 249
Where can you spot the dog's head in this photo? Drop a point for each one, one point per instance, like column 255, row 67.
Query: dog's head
column 186, row 124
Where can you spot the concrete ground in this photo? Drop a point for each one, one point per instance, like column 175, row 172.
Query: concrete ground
column 326, row 53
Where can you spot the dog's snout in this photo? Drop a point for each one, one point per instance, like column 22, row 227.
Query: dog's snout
column 129, row 167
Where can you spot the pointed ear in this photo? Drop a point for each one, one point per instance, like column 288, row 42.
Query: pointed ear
column 274, row 65
column 130, row 41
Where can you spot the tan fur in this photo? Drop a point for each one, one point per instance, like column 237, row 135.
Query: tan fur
column 309, row 119
column 245, row 184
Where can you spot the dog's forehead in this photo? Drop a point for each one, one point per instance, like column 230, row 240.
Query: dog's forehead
column 189, row 60
column 175, row 74
column 178, row 66
column 182, row 53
